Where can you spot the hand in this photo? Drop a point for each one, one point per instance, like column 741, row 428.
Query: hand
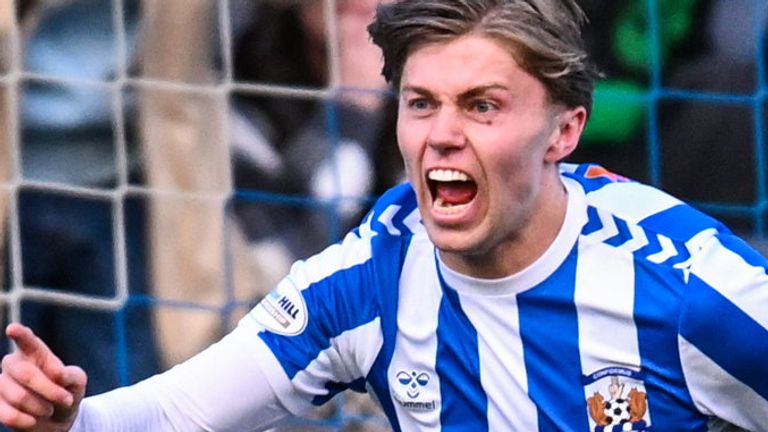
column 37, row 391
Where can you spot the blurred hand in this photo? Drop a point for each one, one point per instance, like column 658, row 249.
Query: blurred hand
column 38, row 393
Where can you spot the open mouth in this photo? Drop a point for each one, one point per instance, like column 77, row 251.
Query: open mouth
column 451, row 190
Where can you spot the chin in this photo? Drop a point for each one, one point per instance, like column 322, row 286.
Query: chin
column 453, row 241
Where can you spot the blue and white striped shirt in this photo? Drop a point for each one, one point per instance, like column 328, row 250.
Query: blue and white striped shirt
column 644, row 314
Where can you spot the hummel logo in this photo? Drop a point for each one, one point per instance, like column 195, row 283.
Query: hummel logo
column 412, row 383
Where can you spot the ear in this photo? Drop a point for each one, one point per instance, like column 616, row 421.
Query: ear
column 569, row 126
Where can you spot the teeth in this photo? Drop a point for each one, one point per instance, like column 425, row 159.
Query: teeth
column 447, row 208
column 447, row 175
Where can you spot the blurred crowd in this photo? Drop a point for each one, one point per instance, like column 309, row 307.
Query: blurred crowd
column 222, row 140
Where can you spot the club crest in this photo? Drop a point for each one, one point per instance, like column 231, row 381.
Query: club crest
column 617, row 400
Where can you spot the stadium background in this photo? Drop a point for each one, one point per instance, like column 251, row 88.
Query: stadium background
column 127, row 237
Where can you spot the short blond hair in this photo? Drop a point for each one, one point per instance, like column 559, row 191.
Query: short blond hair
column 544, row 38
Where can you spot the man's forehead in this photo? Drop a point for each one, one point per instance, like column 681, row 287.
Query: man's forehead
column 472, row 64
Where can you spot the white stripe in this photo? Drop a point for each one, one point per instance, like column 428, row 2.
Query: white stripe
column 604, row 298
column 416, row 340
column 351, row 252
column 744, row 285
column 365, row 228
column 502, row 363
column 349, row 357
column 413, row 221
column 568, row 167
column 386, row 219
column 631, row 201
column 710, row 385
column 698, row 241
column 667, row 251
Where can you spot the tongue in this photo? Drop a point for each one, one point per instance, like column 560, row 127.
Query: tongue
column 456, row 193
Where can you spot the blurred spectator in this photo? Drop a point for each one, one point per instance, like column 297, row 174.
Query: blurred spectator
column 708, row 146
column 620, row 39
column 705, row 86
column 66, row 137
column 174, row 228
column 342, row 148
column 180, row 138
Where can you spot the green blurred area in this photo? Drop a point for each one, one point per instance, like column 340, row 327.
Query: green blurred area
column 620, row 104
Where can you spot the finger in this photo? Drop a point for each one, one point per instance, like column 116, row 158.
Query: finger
column 24, row 400
column 14, row 418
column 74, row 380
column 27, row 374
column 33, row 347
column 27, row 342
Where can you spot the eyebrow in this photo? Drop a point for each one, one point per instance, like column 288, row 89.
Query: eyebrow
column 472, row 92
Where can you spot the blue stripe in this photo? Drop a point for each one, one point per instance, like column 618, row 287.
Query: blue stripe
column 739, row 246
column 622, row 236
column 589, row 184
column 387, row 273
column 548, row 328
column 334, row 305
column 464, row 404
column 657, row 303
column 344, row 301
column 682, row 253
column 581, row 170
column 653, row 245
column 339, row 303
column 593, row 222
column 407, row 204
column 668, row 222
column 734, row 340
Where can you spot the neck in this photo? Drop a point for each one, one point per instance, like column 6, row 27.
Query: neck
column 526, row 245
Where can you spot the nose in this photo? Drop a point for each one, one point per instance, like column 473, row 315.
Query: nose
column 446, row 131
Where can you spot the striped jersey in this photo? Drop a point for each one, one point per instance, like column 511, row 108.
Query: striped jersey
column 644, row 314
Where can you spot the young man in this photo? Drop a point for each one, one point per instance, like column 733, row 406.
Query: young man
column 499, row 290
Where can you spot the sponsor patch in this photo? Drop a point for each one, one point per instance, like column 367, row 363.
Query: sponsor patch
column 283, row 311
column 617, row 400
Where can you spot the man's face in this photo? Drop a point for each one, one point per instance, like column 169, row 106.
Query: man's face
column 480, row 142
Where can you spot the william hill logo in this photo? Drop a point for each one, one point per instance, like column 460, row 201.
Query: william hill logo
column 282, row 311
column 281, row 308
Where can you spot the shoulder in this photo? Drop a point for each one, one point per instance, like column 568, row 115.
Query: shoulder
column 641, row 204
column 394, row 216
column 647, row 222
column 707, row 249
column 375, row 248
column 395, row 213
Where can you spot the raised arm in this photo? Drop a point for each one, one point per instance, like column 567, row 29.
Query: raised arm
column 37, row 391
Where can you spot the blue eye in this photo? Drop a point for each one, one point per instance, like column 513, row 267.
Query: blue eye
column 483, row 106
column 418, row 104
